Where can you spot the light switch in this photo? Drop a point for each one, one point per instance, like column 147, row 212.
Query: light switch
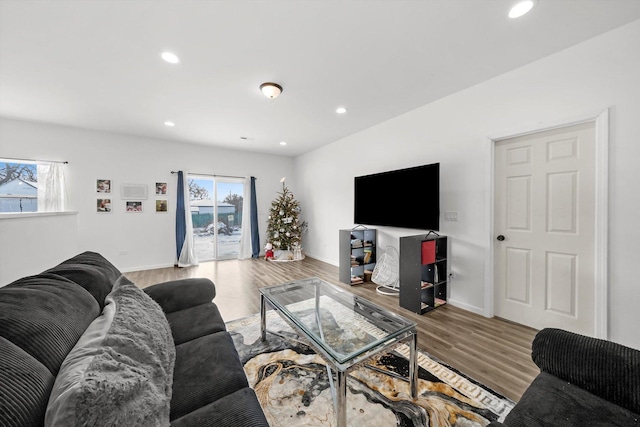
column 451, row 216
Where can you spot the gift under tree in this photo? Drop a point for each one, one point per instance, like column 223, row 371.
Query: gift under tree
column 284, row 229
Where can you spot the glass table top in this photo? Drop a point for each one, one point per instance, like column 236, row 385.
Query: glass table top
column 344, row 325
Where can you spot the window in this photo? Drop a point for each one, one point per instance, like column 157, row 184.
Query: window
column 29, row 186
column 217, row 227
column 18, row 187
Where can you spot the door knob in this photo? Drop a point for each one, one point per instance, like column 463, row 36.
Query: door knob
column 500, row 238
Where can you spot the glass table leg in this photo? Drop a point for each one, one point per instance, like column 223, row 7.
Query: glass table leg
column 341, row 405
column 413, row 365
column 263, row 318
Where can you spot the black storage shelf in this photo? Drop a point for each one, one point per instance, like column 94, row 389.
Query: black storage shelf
column 357, row 255
column 423, row 287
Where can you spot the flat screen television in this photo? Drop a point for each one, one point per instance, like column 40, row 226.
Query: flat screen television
column 406, row 198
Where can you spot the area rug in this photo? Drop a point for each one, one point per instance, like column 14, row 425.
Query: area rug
column 293, row 387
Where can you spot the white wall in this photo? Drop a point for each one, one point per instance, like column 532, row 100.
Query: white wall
column 583, row 80
column 31, row 244
column 148, row 238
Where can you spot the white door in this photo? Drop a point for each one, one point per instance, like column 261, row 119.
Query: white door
column 544, row 226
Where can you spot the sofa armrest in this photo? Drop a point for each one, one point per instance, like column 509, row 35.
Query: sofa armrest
column 180, row 294
column 603, row 368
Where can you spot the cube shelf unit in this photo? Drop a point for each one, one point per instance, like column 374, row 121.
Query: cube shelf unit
column 357, row 255
column 423, row 272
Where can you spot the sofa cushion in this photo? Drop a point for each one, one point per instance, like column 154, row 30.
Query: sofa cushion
column 195, row 322
column 91, row 271
column 45, row 315
column 179, row 294
column 121, row 371
column 550, row 401
column 238, row 409
column 207, row 369
column 26, row 384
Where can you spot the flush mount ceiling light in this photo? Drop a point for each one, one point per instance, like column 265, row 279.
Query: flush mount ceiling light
column 170, row 124
column 271, row 90
column 521, row 8
column 171, row 58
column 283, row 143
column 341, row 110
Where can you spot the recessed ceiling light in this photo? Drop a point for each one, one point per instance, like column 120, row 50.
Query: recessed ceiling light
column 521, row 8
column 170, row 124
column 341, row 110
column 171, row 58
column 283, row 143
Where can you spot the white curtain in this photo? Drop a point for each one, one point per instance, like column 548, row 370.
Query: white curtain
column 187, row 255
column 52, row 187
column 245, row 235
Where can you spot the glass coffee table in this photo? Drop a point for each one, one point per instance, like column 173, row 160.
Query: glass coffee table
column 344, row 329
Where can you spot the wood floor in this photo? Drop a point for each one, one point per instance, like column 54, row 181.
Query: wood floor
column 494, row 352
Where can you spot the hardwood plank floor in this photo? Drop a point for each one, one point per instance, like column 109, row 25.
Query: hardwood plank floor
column 494, row 352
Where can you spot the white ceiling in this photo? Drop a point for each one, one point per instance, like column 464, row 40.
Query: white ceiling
column 96, row 64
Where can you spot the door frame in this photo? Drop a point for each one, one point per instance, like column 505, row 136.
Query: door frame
column 601, row 253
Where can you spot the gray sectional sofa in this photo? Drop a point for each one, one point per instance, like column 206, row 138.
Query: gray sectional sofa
column 583, row 381
column 80, row 345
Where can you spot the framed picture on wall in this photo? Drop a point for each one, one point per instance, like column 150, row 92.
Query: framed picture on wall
column 103, row 186
column 161, row 188
column 103, row 205
column 161, row 205
column 135, row 206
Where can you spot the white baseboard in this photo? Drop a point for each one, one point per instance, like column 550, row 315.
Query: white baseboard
column 145, row 267
column 321, row 259
column 468, row 307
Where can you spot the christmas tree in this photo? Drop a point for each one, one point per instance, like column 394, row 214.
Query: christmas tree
column 284, row 229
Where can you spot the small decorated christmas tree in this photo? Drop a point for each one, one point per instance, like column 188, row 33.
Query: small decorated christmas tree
column 284, row 229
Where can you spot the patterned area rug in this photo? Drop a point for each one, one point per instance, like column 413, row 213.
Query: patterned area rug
column 293, row 387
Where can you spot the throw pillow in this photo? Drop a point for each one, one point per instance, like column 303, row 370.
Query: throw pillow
column 121, row 370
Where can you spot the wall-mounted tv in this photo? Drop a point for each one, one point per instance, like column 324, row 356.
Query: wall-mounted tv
column 407, row 198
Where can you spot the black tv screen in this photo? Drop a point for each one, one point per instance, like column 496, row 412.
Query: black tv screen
column 407, row 198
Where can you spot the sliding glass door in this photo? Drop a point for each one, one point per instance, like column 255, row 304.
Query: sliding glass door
column 216, row 225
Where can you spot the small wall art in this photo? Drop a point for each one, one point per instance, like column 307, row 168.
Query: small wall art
column 161, row 205
column 161, row 188
column 103, row 186
column 103, row 205
column 135, row 206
